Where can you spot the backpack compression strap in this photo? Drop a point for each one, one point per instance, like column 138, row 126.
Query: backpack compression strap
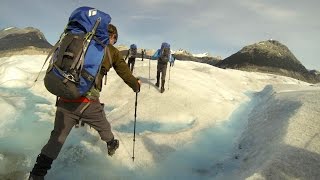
column 87, row 41
column 53, row 49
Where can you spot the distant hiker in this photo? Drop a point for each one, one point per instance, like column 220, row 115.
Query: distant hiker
column 86, row 108
column 132, row 54
column 163, row 55
column 143, row 51
column 172, row 61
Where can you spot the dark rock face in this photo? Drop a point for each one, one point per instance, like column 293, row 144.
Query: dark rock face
column 15, row 39
column 206, row 60
column 269, row 56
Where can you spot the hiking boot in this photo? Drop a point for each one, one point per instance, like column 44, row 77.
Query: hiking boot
column 112, row 145
column 34, row 177
column 162, row 86
column 43, row 164
column 162, row 89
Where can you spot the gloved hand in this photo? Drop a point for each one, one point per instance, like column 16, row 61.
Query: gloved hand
column 139, row 82
column 112, row 146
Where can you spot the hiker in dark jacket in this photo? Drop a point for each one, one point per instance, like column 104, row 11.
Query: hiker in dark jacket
column 143, row 52
column 86, row 109
column 132, row 54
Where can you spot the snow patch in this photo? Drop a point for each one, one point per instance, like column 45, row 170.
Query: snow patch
column 6, row 29
column 206, row 54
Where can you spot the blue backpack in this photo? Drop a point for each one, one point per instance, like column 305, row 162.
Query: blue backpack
column 77, row 57
column 133, row 46
column 133, row 51
column 164, row 53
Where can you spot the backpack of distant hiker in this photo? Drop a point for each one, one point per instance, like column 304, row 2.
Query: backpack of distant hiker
column 164, row 53
column 133, row 51
column 77, row 57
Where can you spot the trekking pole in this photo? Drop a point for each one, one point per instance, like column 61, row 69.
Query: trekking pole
column 149, row 73
column 169, row 76
column 134, row 126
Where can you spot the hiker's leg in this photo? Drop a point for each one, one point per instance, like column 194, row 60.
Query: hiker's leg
column 163, row 77
column 42, row 165
column 95, row 116
column 163, row 72
column 64, row 121
column 158, row 74
column 129, row 63
column 133, row 62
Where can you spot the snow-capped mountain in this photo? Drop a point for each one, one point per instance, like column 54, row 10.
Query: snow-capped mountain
column 206, row 54
column 181, row 52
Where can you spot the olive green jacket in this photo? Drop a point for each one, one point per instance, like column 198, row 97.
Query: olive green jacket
column 121, row 68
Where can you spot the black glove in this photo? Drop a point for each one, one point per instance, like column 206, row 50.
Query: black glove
column 112, row 145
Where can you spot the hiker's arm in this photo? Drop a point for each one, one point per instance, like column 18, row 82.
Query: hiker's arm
column 156, row 55
column 122, row 69
column 126, row 55
column 171, row 59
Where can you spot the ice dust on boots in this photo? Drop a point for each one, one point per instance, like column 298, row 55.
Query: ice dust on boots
column 41, row 167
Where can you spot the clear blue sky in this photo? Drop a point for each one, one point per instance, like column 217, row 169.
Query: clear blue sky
column 218, row 27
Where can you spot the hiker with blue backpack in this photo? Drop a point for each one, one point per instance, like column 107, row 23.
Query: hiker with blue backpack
column 163, row 55
column 79, row 61
column 132, row 54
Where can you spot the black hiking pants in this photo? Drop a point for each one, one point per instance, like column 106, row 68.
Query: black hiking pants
column 161, row 70
column 68, row 115
column 131, row 62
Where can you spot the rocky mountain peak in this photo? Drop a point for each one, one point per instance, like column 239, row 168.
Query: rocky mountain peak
column 268, row 56
column 14, row 40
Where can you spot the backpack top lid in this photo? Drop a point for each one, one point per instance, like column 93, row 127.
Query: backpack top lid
column 133, row 46
column 165, row 45
column 86, row 17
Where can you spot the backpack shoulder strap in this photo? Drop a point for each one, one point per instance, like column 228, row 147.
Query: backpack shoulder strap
column 109, row 55
column 110, row 61
column 86, row 44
